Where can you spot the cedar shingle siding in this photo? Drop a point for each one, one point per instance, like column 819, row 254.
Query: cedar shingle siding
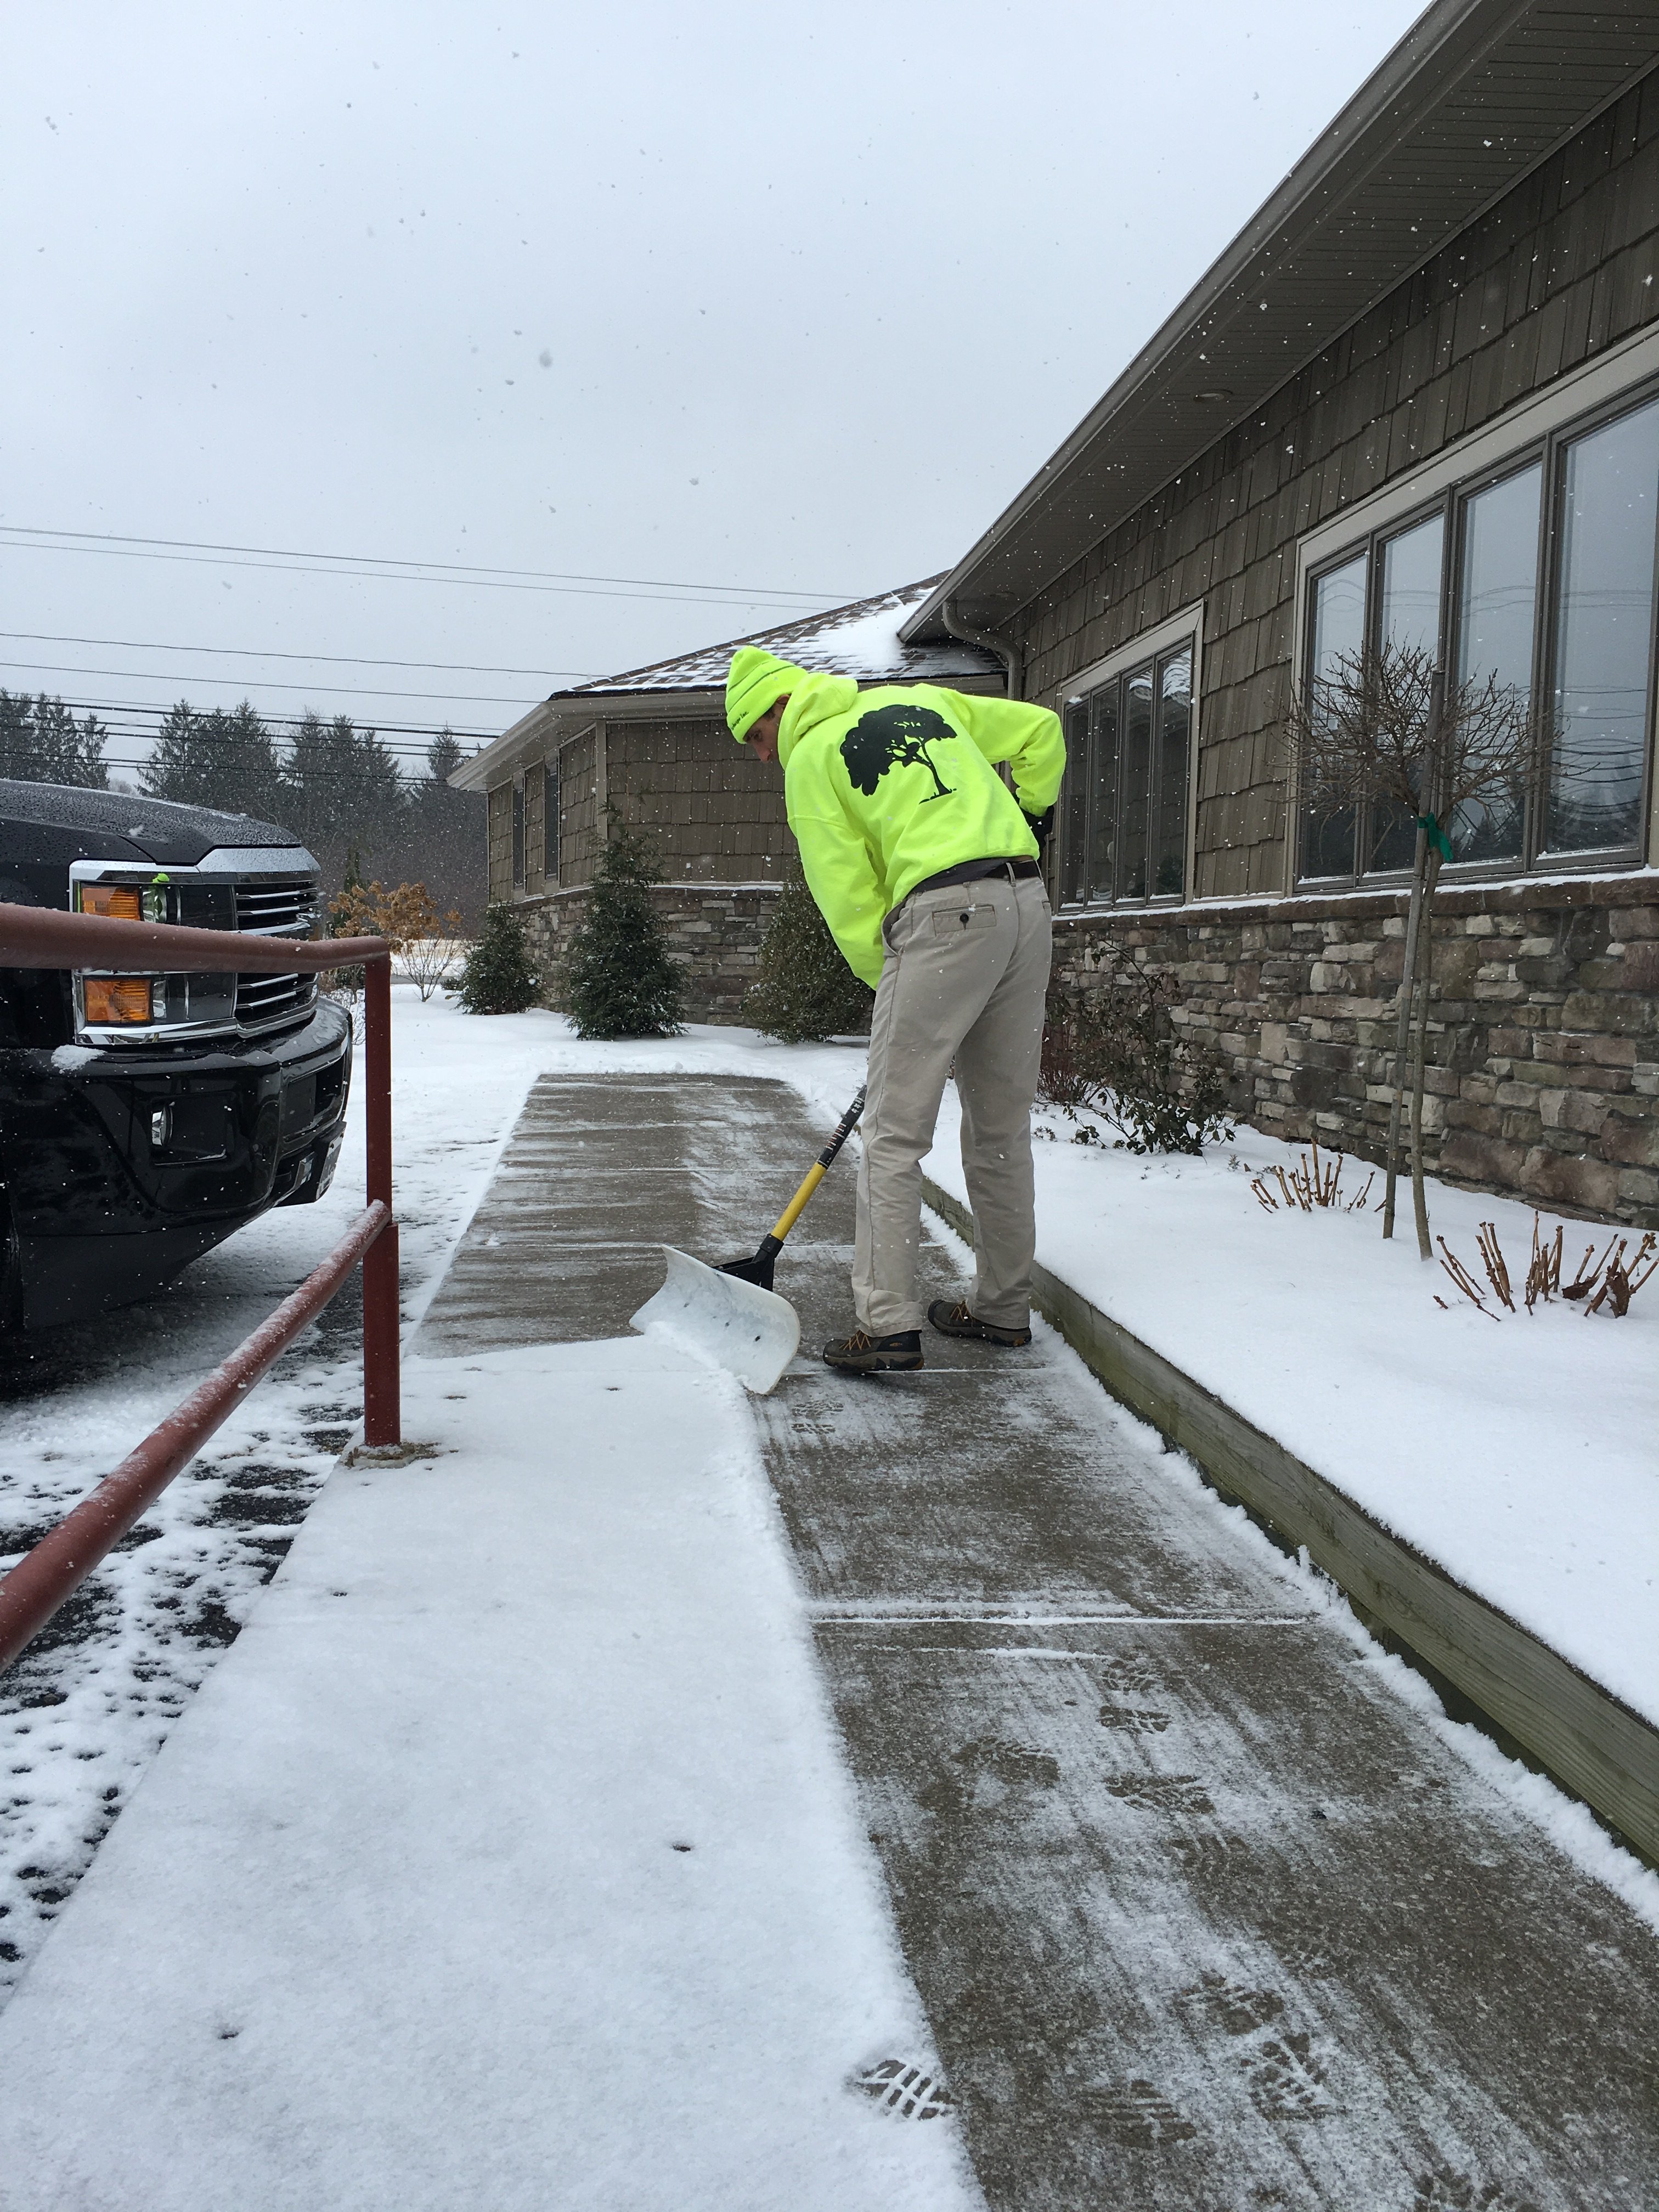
column 500, row 841
column 1560, row 268
column 579, row 842
column 713, row 811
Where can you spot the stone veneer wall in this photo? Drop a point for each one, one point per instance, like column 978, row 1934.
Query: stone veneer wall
column 715, row 932
column 1543, row 1038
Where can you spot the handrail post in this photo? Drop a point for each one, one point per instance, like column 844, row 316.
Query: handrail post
column 382, row 1411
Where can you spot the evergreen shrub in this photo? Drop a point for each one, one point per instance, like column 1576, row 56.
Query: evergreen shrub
column 497, row 977
column 804, row 991
column 618, row 978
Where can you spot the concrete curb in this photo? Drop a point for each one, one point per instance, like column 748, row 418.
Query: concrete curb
column 1579, row 1732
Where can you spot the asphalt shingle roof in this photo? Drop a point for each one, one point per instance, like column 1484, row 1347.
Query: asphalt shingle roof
column 860, row 639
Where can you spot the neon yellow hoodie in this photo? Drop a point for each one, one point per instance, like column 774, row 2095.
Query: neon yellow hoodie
column 887, row 787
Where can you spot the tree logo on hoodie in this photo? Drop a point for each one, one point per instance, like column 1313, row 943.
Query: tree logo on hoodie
column 894, row 737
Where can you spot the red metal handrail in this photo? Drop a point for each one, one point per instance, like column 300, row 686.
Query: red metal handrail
column 36, row 937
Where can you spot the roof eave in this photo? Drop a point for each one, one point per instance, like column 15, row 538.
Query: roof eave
column 1426, row 69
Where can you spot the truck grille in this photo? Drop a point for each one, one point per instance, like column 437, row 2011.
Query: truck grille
column 262, row 999
column 275, row 906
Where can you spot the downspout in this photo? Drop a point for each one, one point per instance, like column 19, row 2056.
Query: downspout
column 1006, row 650
column 1013, row 660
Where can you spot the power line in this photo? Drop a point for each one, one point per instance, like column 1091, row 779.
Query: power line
column 392, row 561
column 389, row 568
column 260, row 653
column 130, row 718
column 267, row 683
column 383, row 576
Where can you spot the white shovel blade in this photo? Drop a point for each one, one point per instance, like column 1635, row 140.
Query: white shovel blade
column 735, row 1325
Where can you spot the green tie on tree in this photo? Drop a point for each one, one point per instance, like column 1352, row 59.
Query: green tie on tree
column 618, row 981
column 804, row 990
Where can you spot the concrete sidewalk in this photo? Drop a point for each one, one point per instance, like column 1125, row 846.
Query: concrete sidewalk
column 1204, row 1907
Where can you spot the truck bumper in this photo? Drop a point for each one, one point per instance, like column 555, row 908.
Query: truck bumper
column 123, row 1165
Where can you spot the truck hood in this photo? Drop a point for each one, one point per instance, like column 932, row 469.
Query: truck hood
column 41, row 819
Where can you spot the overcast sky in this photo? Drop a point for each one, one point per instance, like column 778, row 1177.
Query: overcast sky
column 791, row 300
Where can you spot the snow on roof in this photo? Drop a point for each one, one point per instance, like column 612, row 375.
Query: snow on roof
column 860, row 639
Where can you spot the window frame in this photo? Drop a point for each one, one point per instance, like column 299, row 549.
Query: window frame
column 1150, row 651
column 1372, row 544
column 1543, row 434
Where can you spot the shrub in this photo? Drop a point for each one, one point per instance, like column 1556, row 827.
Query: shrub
column 619, row 979
column 805, row 990
column 408, row 918
column 1120, row 1052
column 497, row 977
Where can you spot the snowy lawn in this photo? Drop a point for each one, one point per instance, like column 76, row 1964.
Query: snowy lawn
column 1522, row 1453
column 508, row 1858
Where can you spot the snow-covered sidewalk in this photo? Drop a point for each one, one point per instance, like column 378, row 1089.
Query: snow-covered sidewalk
column 1520, row 1453
column 84, row 1713
column 506, row 1860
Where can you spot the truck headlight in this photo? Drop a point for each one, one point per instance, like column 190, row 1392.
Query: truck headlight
column 113, row 1001
column 116, row 902
column 124, row 902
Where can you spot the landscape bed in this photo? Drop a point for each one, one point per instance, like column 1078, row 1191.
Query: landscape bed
column 1482, row 1482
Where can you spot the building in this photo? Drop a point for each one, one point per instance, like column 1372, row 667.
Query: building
column 1417, row 398
column 650, row 747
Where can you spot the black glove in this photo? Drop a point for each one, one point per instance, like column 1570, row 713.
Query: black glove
column 1040, row 825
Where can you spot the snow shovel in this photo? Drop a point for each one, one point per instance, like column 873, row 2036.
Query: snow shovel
column 732, row 1315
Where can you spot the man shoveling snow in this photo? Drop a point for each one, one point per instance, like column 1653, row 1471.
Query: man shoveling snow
column 928, row 872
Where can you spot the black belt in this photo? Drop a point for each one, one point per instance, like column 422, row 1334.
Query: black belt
column 972, row 871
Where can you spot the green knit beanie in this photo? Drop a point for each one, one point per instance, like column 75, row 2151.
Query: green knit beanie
column 755, row 680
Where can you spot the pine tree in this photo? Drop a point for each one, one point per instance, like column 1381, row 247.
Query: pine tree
column 497, row 977
column 41, row 742
column 805, row 990
column 342, row 786
column 617, row 977
column 226, row 759
column 441, row 838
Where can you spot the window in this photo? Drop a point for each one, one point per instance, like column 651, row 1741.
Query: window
column 1603, row 635
column 1129, row 748
column 550, row 822
column 1541, row 575
column 518, row 831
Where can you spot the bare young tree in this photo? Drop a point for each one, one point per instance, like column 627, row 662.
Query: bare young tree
column 1386, row 735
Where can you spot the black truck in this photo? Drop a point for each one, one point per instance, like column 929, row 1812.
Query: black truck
column 143, row 1118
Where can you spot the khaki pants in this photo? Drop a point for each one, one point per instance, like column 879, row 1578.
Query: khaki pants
column 965, row 979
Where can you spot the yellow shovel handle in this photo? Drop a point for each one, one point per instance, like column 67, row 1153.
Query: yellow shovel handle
column 792, row 1213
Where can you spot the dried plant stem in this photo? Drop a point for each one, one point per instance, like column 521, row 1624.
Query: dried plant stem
column 1461, row 1277
column 1544, row 1274
column 1309, row 1184
column 1492, row 1258
column 1613, row 1283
